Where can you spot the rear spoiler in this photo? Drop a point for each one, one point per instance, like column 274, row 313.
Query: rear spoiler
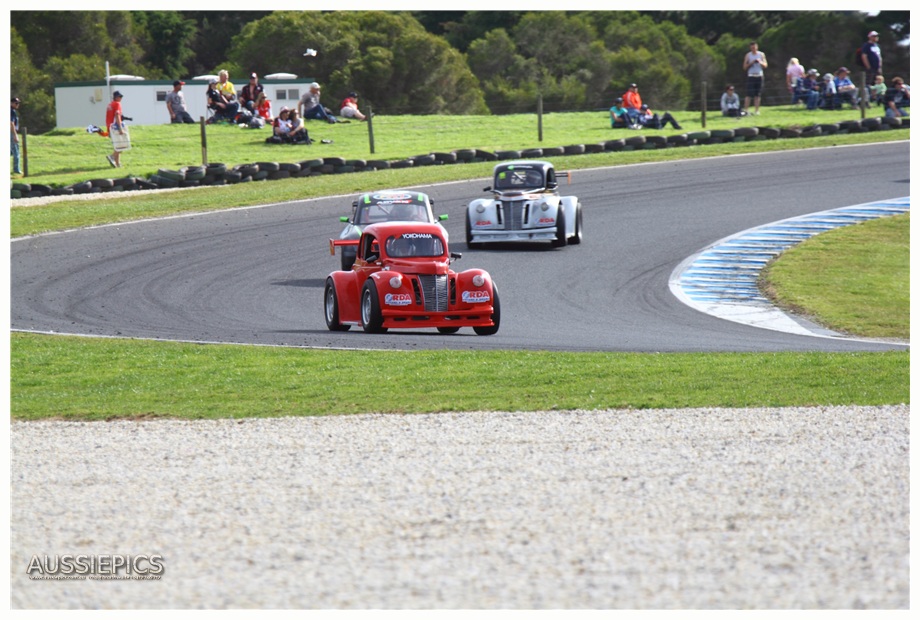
column 343, row 242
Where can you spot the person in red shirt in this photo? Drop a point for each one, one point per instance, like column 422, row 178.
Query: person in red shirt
column 115, row 124
column 631, row 98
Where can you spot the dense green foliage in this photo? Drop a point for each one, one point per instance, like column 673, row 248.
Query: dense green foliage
column 456, row 62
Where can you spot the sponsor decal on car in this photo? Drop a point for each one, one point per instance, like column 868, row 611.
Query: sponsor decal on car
column 397, row 299
column 546, row 220
column 417, row 236
column 475, row 297
column 483, row 223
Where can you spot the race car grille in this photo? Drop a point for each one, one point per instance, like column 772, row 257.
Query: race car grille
column 434, row 292
column 513, row 215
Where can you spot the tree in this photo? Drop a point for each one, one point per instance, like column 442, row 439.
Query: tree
column 387, row 57
column 167, row 41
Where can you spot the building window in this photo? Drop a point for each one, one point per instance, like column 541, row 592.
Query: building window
column 161, row 95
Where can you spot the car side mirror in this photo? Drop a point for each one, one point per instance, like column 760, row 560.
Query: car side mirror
column 355, row 204
column 344, row 218
column 487, row 188
column 442, row 217
column 552, row 185
column 455, row 256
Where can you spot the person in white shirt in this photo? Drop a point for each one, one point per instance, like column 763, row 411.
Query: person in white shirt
column 755, row 62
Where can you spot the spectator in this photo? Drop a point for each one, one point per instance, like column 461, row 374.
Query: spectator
column 808, row 90
column 263, row 107
column 225, row 86
column 794, row 73
column 349, row 107
column 755, row 62
column 730, row 102
column 653, row 121
column 846, row 89
column 897, row 99
column 621, row 118
column 827, row 92
column 250, row 94
column 877, row 91
column 310, row 106
column 223, row 107
column 871, row 58
column 175, row 104
column 298, row 132
column 14, row 134
column 114, row 120
column 281, row 126
column 631, row 99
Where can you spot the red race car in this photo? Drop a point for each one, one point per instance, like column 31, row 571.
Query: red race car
column 402, row 278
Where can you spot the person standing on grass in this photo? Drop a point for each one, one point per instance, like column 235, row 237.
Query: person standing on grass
column 116, row 126
column 755, row 62
column 14, row 134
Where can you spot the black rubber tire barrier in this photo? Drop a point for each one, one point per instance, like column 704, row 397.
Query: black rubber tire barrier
column 594, row 148
column 446, row 158
column 574, row 149
column 175, row 175
column 678, row 139
column 552, row 151
column 344, row 169
column 615, row 145
column 195, row 173
column 791, row 132
column 635, row 141
column 871, row 124
column 746, row 132
column 102, row 182
column 378, row 164
column 423, row 160
column 772, row 133
column 811, row 132
column 311, row 163
column 485, row 155
column 216, row 169
column 261, row 175
column 508, row 154
column 44, row 189
column 465, row 154
column 357, row 163
column 725, row 134
column 401, row 163
column 126, row 182
column 22, row 187
column 290, row 168
column 62, row 191
column 269, row 166
column 531, row 153
column 829, row 128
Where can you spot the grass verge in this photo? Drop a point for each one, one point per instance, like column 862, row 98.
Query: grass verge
column 98, row 379
column 854, row 280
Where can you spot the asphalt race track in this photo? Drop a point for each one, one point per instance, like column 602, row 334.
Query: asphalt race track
column 256, row 275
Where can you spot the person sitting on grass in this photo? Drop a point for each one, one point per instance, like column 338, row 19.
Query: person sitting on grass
column 620, row 117
column 651, row 120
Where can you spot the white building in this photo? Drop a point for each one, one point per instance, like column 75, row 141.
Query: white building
column 78, row 104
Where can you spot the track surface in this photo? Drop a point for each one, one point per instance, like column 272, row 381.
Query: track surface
column 256, row 275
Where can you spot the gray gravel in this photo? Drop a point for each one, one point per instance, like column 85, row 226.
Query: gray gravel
column 704, row 508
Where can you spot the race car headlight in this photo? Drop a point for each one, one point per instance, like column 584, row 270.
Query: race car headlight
column 480, row 209
column 544, row 206
column 396, row 281
column 478, row 280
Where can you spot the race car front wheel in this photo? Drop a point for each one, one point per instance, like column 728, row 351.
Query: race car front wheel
column 496, row 316
column 371, row 317
column 561, row 236
column 331, row 306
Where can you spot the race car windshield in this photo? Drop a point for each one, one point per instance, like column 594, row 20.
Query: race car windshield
column 414, row 244
column 518, row 179
column 372, row 213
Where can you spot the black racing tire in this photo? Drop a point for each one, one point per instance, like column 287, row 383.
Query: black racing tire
column 560, row 240
column 331, row 308
column 576, row 238
column 448, row 330
column 371, row 316
column 348, row 261
column 496, row 316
